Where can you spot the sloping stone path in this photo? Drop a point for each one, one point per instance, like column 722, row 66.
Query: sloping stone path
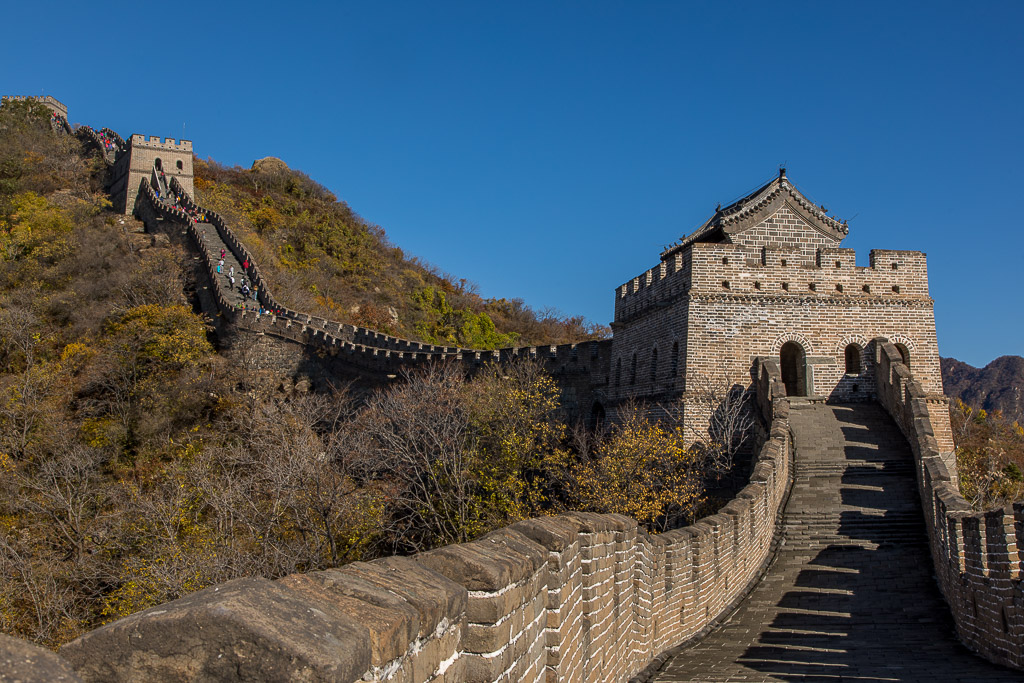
column 850, row 596
column 214, row 245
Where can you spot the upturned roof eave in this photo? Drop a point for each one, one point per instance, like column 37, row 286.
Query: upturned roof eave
column 735, row 213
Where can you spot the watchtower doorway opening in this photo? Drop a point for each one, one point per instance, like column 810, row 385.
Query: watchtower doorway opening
column 904, row 354
column 793, row 363
column 597, row 416
column 159, row 164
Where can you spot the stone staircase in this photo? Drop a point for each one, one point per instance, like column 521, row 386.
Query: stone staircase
column 213, row 245
column 851, row 594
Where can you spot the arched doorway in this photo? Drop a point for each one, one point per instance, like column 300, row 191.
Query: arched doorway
column 597, row 416
column 904, row 354
column 793, row 363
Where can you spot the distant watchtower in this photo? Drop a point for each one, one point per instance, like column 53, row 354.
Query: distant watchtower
column 146, row 158
column 52, row 103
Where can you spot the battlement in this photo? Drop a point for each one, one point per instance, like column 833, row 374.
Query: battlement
column 977, row 557
column 663, row 282
column 155, row 142
column 780, row 271
column 53, row 103
column 776, row 270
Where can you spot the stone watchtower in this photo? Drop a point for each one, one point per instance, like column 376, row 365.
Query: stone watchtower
column 145, row 158
column 766, row 277
column 51, row 103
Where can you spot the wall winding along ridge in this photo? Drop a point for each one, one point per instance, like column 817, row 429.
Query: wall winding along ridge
column 576, row 597
column 358, row 347
column 977, row 554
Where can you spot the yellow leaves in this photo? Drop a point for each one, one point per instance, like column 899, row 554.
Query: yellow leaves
column 643, row 470
column 98, row 432
column 162, row 337
column 75, row 356
column 37, row 229
column 264, row 219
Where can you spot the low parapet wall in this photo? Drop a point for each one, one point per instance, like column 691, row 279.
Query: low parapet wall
column 576, row 597
column 977, row 555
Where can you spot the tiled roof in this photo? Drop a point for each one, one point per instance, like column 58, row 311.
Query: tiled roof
column 740, row 210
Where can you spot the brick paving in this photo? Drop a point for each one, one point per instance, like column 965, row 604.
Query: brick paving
column 214, row 245
column 850, row 596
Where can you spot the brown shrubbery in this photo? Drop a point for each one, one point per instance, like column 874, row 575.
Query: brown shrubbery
column 989, row 455
column 324, row 259
column 137, row 464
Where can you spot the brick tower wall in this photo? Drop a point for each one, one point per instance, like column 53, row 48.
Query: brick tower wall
column 137, row 163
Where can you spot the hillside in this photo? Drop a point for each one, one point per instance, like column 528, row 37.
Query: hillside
column 997, row 386
column 140, row 462
column 324, row 259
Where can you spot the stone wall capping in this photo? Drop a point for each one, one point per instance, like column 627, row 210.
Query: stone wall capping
column 553, row 533
column 593, row 522
column 437, row 598
column 24, row 662
column 476, row 567
column 391, row 621
column 247, row 628
column 518, row 543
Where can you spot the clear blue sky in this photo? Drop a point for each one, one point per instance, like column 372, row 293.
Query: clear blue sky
column 549, row 150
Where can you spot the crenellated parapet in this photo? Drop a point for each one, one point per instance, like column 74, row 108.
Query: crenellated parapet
column 712, row 268
column 773, row 271
column 977, row 555
column 107, row 146
column 51, row 103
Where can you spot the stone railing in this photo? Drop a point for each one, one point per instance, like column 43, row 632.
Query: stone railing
column 977, row 555
column 575, row 597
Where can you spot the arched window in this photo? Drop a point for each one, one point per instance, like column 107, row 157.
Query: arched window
column 674, row 369
column 654, row 364
column 618, row 372
column 853, row 352
column 632, row 370
column 179, row 165
column 159, row 164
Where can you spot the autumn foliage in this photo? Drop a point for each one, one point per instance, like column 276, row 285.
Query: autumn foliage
column 138, row 463
column 989, row 455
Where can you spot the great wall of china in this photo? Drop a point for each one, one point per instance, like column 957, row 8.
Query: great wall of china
column 582, row 597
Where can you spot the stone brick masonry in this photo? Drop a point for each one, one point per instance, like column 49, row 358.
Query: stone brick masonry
column 578, row 597
column 761, row 294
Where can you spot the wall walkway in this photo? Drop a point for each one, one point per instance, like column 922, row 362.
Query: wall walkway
column 977, row 555
column 851, row 594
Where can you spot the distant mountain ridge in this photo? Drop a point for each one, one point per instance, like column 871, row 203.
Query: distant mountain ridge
column 997, row 386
